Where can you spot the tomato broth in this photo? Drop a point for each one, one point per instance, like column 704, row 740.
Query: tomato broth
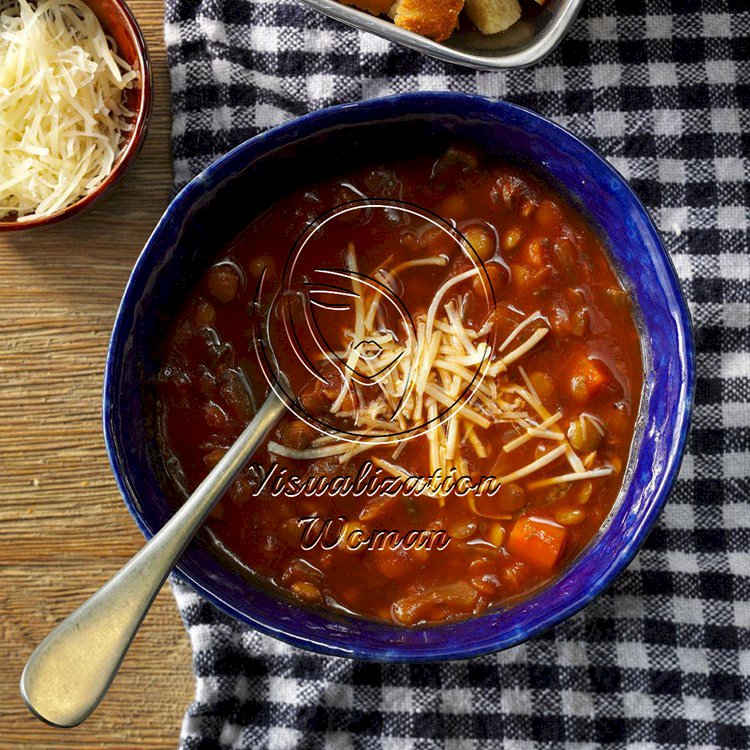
column 521, row 364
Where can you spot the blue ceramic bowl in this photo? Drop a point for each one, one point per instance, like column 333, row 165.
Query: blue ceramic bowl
column 222, row 199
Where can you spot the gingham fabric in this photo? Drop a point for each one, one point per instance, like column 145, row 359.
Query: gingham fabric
column 663, row 658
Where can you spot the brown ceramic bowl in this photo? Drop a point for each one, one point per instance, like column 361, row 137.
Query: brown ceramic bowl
column 118, row 21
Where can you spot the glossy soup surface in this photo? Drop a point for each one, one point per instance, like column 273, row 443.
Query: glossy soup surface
column 560, row 397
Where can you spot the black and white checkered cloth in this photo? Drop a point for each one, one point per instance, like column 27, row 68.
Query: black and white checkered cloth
column 662, row 89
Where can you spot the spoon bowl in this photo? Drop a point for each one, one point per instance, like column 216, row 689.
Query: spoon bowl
column 72, row 668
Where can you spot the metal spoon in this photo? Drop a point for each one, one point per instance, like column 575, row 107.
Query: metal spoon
column 72, row 668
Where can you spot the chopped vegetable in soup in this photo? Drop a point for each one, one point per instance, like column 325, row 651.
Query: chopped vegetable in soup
column 482, row 385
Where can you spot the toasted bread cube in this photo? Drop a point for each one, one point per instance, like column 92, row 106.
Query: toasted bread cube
column 493, row 16
column 376, row 7
column 432, row 18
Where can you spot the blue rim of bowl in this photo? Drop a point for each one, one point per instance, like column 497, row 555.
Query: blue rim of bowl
column 229, row 164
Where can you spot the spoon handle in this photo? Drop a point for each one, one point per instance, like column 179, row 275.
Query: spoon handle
column 73, row 667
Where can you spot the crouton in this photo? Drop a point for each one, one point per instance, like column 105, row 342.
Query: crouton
column 432, row 18
column 493, row 16
column 376, row 7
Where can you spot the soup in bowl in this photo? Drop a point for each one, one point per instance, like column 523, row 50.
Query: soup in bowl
column 486, row 358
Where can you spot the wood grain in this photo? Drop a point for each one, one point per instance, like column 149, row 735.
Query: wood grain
column 63, row 526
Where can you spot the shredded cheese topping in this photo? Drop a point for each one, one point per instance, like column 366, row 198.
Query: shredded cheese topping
column 62, row 114
column 417, row 376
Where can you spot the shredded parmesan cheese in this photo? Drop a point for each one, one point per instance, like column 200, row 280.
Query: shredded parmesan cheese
column 527, row 345
column 445, row 376
column 309, row 454
column 564, row 478
column 545, row 434
column 547, row 458
column 527, row 321
column 598, row 424
column 519, row 441
column 475, row 442
column 62, row 114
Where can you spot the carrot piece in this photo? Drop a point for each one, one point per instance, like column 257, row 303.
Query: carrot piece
column 589, row 376
column 594, row 373
column 537, row 541
column 521, row 278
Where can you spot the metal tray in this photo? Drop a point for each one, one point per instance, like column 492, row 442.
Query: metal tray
column 526, row 42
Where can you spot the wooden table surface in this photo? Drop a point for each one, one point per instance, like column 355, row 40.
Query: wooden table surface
column 63, row 527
